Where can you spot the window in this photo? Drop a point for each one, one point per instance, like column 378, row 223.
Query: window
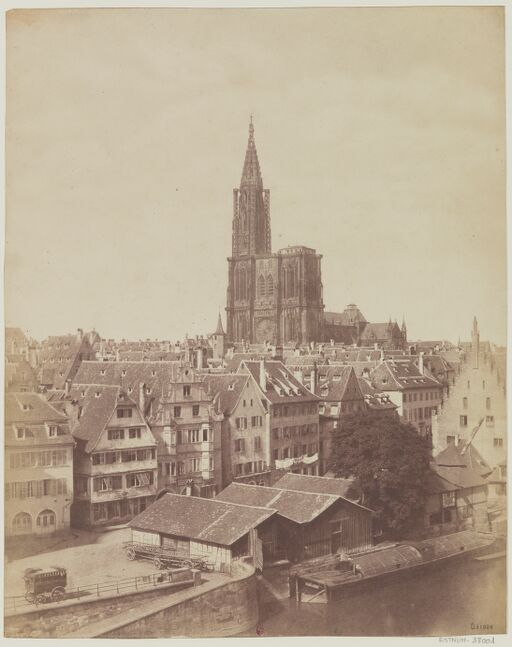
column 195, row 410
column 257, row 443
column 139, row 480
column 116, row 434
column 286, row 452
column 177, row 412
column 450, row 440
column 245, row 403
column 498, row 442
column 186, row 391
column 469, row 383
column 489, row 421
column 239, row 445
column 256, row 421
column 52, row 431
column 196, row 464
column 98, row 459
column 181, row 467
column 275, row 454
column 211, row 463
column 241, row 423
column 464, row 403
column 487, row 403
column 124, row 413
column 463, row 421
column 106, row 483
column 483, row 384
column 134, row 433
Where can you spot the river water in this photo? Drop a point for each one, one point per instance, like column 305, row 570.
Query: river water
column 454, row 600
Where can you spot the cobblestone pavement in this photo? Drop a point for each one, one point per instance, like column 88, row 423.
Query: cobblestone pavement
column 88, row 557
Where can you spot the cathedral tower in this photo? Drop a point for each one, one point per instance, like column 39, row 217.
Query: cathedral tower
column 271, row 298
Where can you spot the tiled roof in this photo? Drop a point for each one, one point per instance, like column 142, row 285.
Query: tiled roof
column 234, row 361
column 375, row 400
column 463, row 469
column 348, row 317
column 15, row 335
column 333, row 382
column 392, row 375
column 98, row 404
column 300, row 507
column 316, row 484
column 37, row 409
column 282, row 385
column 157, row 376
column 33, row 418
column 380, row 331
column 228, row 388
column 207, row 520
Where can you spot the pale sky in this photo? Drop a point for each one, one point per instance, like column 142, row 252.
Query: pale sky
column 380, row 134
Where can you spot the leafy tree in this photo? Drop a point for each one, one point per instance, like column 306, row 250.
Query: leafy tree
column 389, row 462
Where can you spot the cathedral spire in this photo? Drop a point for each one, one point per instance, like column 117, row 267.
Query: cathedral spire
column 220, row 329
column 251, row 207
column 251, row 174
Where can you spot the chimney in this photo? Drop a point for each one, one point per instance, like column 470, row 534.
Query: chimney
column 332, row 342
column 263, row 376
column 79, row 334
column 67, row 387
column 313, row 379
column 142, row 397
column 200, row 357
column 420, row 364
column 375, row 346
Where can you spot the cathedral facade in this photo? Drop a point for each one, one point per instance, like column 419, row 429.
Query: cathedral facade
column 274, row 298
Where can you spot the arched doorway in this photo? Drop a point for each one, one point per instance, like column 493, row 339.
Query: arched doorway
column 22, row 524
column 46, row 522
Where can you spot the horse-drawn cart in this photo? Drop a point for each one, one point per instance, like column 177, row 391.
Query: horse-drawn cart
column 164, row 557
column 43, row 585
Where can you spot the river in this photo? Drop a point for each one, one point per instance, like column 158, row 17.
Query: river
column 452, row 600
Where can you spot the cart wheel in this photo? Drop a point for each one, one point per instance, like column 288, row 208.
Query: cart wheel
column 158, row 563
column 58, row 593
column 130, row 553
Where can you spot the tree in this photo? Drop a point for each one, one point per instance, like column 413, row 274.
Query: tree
column 389, row 462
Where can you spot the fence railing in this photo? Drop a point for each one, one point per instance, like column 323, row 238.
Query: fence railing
column 13, row 604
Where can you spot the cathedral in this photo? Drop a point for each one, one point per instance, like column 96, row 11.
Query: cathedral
column 274, row 298
column 277, row 298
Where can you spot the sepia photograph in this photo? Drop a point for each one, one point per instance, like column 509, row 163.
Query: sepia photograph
column 255, row 350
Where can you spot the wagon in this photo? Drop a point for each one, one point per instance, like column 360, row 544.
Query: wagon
column 164, row 557
column 43, row 585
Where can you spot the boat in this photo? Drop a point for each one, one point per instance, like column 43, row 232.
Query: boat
column 342, row 574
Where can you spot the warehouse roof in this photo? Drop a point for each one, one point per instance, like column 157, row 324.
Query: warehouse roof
column 208, row 520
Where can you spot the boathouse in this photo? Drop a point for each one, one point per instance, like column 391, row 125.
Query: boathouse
column 308, row 524
column 188, row 526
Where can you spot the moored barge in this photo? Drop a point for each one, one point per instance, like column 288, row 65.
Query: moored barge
column 339, row 575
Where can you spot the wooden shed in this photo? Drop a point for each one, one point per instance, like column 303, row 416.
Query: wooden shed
column 308, row 524
column 190, row 526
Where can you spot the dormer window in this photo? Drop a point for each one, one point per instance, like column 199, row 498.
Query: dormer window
column 124, row 413
column 123, row 372
column 97, row 394
column 52, row 431
column 148, row 391
column 22, row 433
column 26, row 407
column 82, row 393
column 231, row 387
column 102, row 372
column 153, row 373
